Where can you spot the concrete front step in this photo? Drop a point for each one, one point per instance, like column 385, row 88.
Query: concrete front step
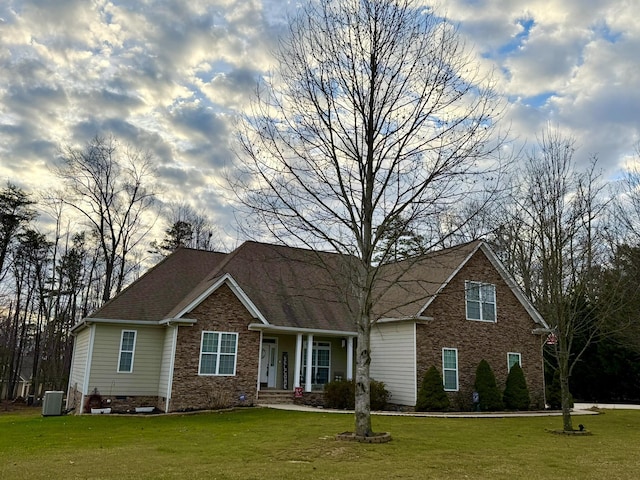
column 275, row 396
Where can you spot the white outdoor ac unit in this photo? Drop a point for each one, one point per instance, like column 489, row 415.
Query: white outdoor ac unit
column 52, row 403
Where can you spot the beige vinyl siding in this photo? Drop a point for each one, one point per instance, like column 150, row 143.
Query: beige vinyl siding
column 147, row 358
column 338, row 359
column 393, row 360
column 79, row 364
column 165, row 367
column 286, row 343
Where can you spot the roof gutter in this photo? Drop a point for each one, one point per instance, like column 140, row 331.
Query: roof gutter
column 318, row 331
column 415, row 318
column 178, row 321
column 541, row 331
column 118, row 321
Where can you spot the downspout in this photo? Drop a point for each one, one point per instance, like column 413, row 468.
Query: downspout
column 414, row 362
column 87, row 369
column 73, row 362
column 544, row 382
column 172, row 361
column 259, row 365
column 543, row 332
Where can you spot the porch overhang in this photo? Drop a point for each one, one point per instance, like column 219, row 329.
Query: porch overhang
column 348, row 340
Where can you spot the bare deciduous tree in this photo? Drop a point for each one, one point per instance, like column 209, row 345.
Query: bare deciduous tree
column 626, row 208
column 107, row 183
column 376, row 114
column 549, row 243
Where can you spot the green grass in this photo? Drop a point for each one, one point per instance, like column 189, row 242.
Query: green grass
column 272, row 444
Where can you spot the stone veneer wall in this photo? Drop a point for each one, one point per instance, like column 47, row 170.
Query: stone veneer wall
column 480, row 340
column 118, row 404
column 220, row 312
column 128, row 404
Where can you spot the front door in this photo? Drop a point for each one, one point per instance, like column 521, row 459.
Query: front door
column 268, row 363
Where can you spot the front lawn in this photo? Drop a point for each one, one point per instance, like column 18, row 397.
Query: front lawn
column 272, row 444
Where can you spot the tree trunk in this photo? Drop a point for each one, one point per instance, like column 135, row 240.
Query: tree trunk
column 108, row 279
column 565, row 394
column 363, row 398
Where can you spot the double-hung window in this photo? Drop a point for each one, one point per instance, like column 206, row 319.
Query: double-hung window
column 450, row 369
column 481, row 301
column 320, row 363
column 513, row 358
column 218, row 353
column 127, row 348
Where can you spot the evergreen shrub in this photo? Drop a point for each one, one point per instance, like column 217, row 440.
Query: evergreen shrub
column 488, row 392
column 431, row 395
column 341, row 394
column 516, row 394
column 379, row 395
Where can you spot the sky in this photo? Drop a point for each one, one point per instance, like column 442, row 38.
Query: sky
column 171, row 76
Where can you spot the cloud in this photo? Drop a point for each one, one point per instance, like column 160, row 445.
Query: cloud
column 171, row 76
column 234, row 89
column 549, row 56
column 575, row 67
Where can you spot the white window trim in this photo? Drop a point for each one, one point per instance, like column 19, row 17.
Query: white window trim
column 519, row 360
column 466, row 302
column 235, row 355
column 326, row 346
column 132, row 351
column 449, row 369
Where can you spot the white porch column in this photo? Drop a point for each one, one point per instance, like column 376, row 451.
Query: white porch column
column 298, row 361
column 309, row 371
column 349, row 358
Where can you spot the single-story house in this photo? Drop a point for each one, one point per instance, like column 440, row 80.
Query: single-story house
column 23, row 383
column 205, row 329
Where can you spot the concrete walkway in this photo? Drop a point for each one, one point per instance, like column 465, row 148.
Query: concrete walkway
column 579, row 409
column 608, row 406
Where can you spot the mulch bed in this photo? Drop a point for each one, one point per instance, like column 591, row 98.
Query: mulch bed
column 374, row 438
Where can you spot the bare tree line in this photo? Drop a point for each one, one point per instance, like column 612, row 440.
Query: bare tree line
column 98, row 240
